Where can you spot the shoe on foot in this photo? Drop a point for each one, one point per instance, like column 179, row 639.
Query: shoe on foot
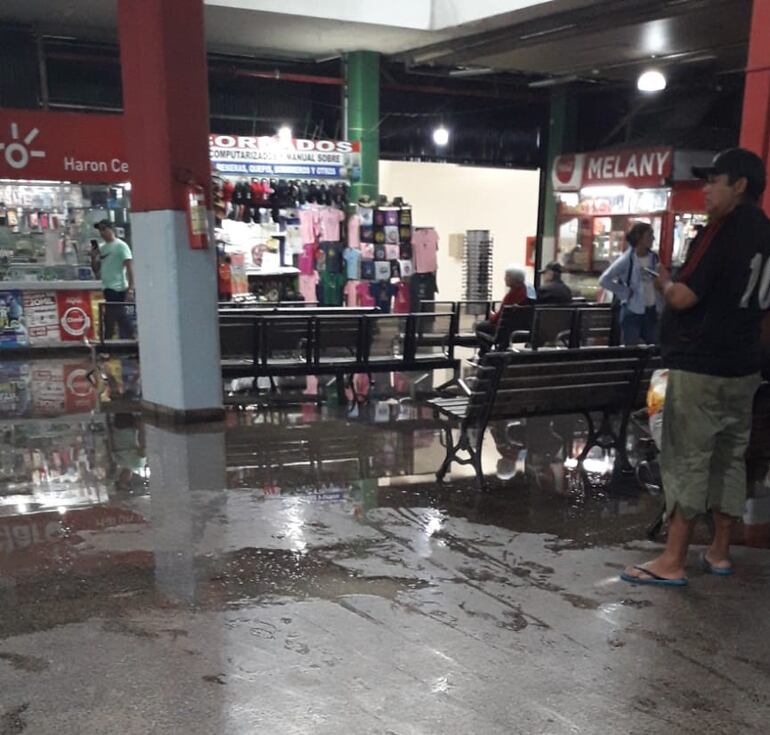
column 710, row 568
column 650, row 578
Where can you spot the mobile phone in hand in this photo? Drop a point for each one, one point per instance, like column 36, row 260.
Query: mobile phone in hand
column 94, row 244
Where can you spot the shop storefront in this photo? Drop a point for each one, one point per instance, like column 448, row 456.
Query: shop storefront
column 601, row 194
column 60, row 173
column 263, row 187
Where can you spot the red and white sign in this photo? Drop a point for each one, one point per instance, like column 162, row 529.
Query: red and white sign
column 42, row 317
column 567, row 173
column 80, row 392
column 638, row 169
column 75, row 320
column 62, row 146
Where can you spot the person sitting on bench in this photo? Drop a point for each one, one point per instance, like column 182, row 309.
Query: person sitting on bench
column 552, row 289
column 515, row 280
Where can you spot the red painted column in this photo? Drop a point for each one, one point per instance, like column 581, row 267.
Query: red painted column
column 165, row 97
column 755, row 127
column 166, row 113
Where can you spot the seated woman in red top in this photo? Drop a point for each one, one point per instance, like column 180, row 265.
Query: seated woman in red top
column 515, row 279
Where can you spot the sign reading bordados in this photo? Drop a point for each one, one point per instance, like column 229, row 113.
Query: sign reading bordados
column 62, row 146
column 273, row 157
column 637, row 168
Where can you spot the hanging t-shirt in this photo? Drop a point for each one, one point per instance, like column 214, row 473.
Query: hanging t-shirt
column 330, row 224
column 424, row 249
column 331, row 288
column 354, row 232
column 306, row 261
column 331, row 254
column 391, row 234
column 293, row 238
column 406, row 268
column 307, row 286
column 367, row 215
column 364, row 294
column 392, row 252
column 367, row 270
column 391, row 216
column 382, row 270
column 352, row 263
column 422, row 287
column 382, row 294
column 366, row 233
column 367, row 250
column 351, row 293
column 402, row 302
column 308, row 224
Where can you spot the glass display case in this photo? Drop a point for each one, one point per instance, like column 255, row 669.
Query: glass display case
column 46, row 229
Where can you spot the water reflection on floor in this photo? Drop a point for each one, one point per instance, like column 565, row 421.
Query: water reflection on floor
column 296, row 568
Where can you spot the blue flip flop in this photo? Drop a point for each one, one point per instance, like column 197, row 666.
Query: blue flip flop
column 653, row 579
column 709, row 568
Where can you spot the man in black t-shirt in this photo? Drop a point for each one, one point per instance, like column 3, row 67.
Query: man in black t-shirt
column 710, row 343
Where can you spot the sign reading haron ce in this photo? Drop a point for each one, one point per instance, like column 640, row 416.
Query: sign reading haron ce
column 637, row 168
column 62, row 146
column 276, row 157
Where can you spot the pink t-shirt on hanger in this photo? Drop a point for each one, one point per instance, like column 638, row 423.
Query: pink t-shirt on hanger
column 351, row 293
column 354, row 232
column 307, row 286
column 424, row 250
column 330, row 224
column 308, row 224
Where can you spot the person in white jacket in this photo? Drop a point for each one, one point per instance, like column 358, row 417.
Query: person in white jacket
column 630, row 280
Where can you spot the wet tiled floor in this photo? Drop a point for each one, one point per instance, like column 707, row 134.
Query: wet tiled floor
column 296, row 569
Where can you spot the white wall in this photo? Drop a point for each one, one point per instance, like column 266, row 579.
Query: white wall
column 455, row 198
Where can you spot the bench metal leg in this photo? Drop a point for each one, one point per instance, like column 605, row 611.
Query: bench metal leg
column 450, row 453
column 473, row 450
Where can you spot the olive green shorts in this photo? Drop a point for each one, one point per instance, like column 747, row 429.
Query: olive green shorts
column 706, row 427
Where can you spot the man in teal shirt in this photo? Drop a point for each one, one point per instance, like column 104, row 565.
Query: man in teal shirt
column 112, row 262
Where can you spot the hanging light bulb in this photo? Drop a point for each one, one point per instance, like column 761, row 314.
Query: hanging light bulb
column 284, row 134
column 651, row 80
column 441, row 136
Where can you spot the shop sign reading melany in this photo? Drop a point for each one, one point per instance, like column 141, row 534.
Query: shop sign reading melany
column 647, row 167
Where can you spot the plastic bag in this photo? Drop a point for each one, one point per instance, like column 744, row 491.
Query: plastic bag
column 656, row 398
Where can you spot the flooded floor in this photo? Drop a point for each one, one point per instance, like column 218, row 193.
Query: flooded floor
column 297, row 569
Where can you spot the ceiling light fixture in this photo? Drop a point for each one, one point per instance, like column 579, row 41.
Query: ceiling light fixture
column 284, row 134
column 651, row 80
column 441, row 136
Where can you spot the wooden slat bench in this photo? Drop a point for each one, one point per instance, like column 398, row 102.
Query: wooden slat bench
column 508, row 385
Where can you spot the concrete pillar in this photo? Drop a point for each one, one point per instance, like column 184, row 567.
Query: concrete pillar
column 165, row 98
column 187, row 499
column 363, row 117
column 560, row 139
column 755, row 126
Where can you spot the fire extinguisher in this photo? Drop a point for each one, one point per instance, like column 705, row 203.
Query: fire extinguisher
column 197, row 217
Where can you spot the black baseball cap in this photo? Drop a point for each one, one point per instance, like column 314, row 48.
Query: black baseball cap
column 104, row 223
column 553, row 266
column 737, row 163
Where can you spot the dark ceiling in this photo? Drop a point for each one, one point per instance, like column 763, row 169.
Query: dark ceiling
column 491, row 88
